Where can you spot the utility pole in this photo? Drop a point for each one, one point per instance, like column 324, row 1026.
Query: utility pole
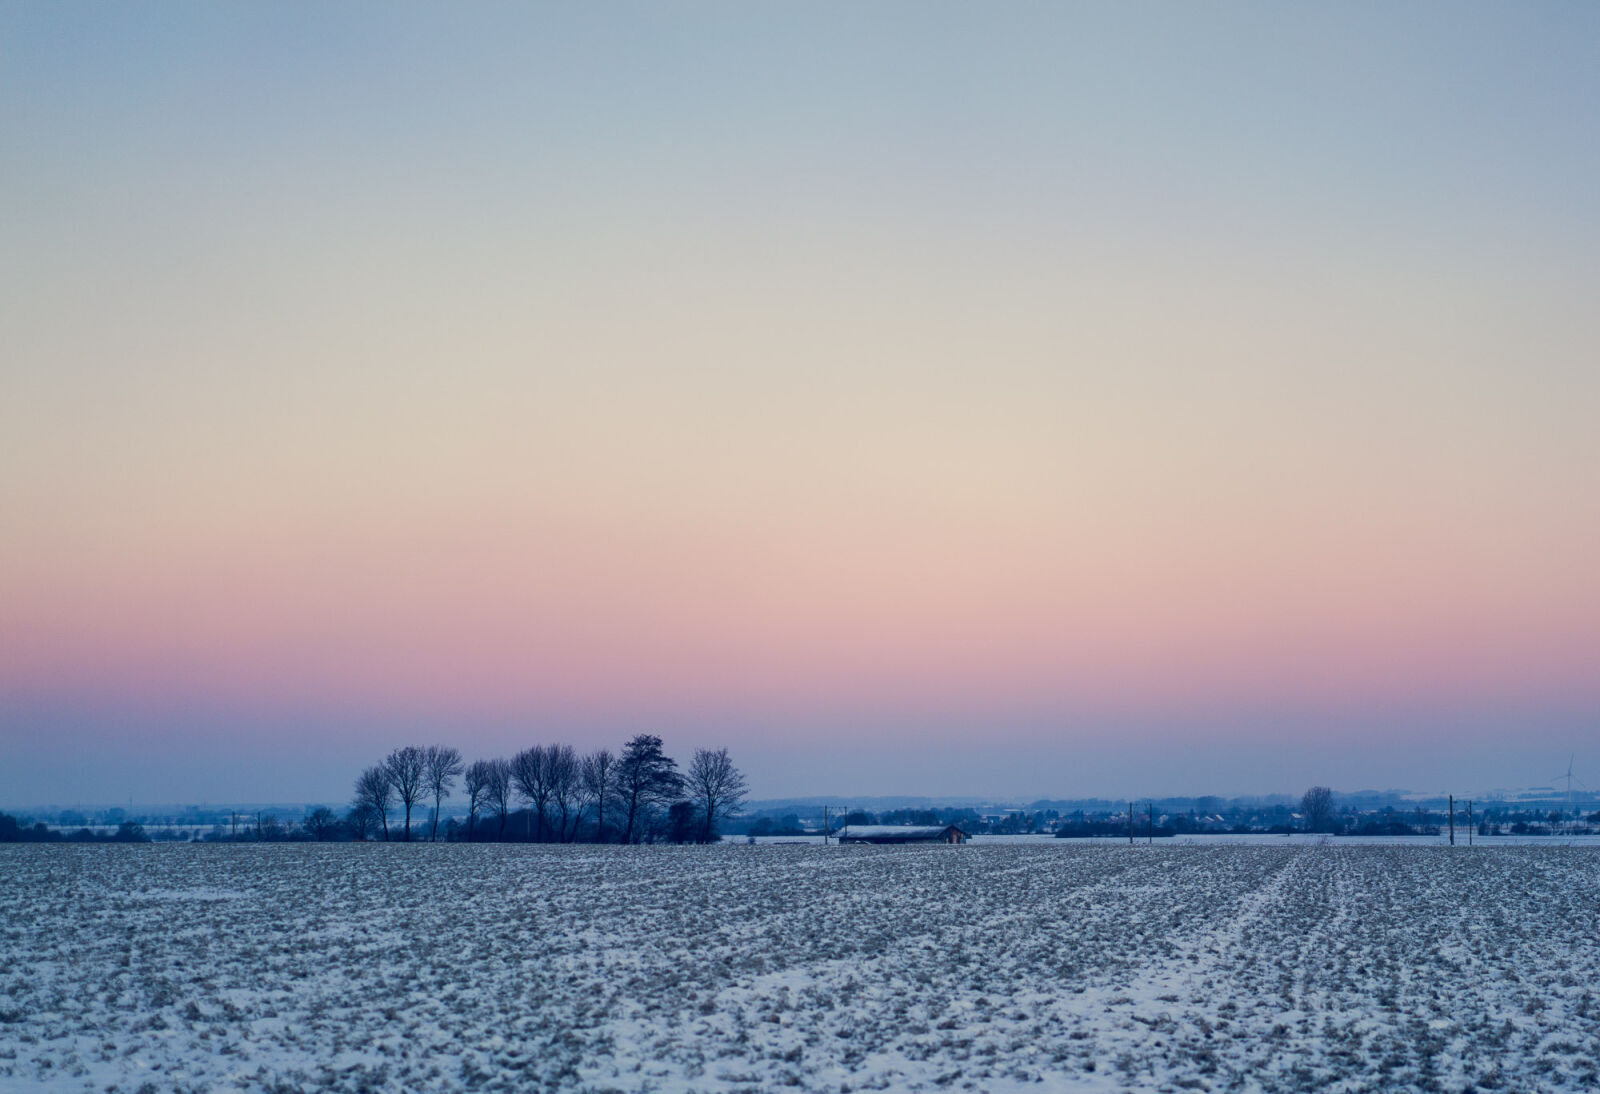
column 1469, row 822
column 1452, row 820
column 1130, row 824
column 824, row 826
column 1151, row 829
column 235, row 816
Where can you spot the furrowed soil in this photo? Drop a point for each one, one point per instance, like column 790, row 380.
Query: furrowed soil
column 1001, row 967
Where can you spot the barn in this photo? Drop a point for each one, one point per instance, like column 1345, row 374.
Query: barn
column 901, row 833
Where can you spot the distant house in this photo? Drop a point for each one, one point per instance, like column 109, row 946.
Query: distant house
column 901, row 833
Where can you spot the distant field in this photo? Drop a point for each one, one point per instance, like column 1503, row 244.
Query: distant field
column 986, row 967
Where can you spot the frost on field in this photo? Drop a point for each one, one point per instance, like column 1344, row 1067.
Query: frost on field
column 407, row 967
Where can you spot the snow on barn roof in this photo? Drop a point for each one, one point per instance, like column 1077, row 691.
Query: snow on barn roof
column 893, row 831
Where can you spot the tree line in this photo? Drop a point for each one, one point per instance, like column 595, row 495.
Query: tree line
column 547, row 794
column 15, row 831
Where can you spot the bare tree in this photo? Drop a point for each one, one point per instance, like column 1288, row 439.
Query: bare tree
column 564, row 784
column 405, row 768
column 646, row 776
column 375, row 794
column 440, row 766
column 683, row 822
column 1316, row 807
column 497, row 791
column 362, row 819
column 530, row 774
column 478, row 778
column 597, row 778
column 718, row 788
column 322, row 823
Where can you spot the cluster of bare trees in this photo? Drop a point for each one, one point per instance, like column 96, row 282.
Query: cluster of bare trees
column 406, row 779
column 633, row 796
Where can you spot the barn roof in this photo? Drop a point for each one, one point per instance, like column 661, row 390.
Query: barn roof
column 894, row 831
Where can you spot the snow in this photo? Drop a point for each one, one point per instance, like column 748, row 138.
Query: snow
column 893, row 831
column 1001, row 966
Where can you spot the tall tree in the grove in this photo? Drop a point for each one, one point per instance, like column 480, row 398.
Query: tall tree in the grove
column 717, row 787
column 478, row 776
column 440, row 766
column 531, row 775
column 597, row 778
column 375, row 795
column 497, row 791
column 564, row 785
column 405, row 768
column 646, row 776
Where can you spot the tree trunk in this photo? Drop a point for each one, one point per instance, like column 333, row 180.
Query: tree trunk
column 633, row 809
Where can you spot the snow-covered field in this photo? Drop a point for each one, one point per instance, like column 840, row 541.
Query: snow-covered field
column 1008, row 966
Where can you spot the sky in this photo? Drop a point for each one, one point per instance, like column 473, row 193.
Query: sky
column 1020, row 399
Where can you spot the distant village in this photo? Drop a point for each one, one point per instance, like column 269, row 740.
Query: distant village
column 1362, row 814
column 1351, row 815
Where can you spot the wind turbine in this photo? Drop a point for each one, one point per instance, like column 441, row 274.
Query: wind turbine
column 1571, row 778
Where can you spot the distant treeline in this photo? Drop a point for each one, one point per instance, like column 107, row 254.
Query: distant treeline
column 551, row 793
column 1318, row 811
column 14, row 831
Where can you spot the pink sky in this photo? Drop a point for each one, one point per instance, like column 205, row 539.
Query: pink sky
column 802, row 389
